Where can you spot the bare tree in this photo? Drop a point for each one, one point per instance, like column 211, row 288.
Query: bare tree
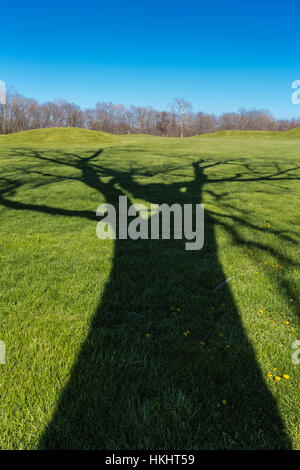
column 182, row 106
column 26, row 113
column 205, row 123
column 162, row 121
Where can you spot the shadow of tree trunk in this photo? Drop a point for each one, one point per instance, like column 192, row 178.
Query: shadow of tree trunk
column 165, row 391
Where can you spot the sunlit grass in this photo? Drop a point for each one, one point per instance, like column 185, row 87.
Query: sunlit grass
column 169, row 346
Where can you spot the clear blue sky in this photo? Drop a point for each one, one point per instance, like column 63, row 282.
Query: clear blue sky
column 220, row 55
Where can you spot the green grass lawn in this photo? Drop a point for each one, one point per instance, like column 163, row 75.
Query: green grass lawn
column 126, row 344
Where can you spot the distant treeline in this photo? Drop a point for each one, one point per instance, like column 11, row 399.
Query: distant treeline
column 179, row 120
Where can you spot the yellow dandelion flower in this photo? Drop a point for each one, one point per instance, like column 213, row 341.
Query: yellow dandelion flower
column 224, row 402
column 148, row 335
column 202, row 342
column 286, row 376
column 261, row 311
column 277, row 378
column 270, row 375
column 275, row 368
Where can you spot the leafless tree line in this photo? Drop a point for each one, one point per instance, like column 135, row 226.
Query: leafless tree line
column 178, row 120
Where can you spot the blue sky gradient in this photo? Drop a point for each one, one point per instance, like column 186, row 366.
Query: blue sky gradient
column 220, row 55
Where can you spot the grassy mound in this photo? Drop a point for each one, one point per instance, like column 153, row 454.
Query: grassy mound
column 59, row 136
column 292, row 134
column 241, row 134
column 73, row 136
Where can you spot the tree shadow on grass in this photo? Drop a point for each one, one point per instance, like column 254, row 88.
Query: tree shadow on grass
column 182, row 387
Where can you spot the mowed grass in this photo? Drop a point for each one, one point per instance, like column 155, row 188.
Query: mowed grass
column 121, row 344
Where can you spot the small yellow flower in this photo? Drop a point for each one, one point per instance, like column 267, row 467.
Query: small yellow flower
column 268, row 225
column 261, row 311
column 277, row 378
column 202, row 342
column 287, row 322
column 224, row 402
column 275, row 368
column 148, row 335
column 286, row 376
column 270, row 375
